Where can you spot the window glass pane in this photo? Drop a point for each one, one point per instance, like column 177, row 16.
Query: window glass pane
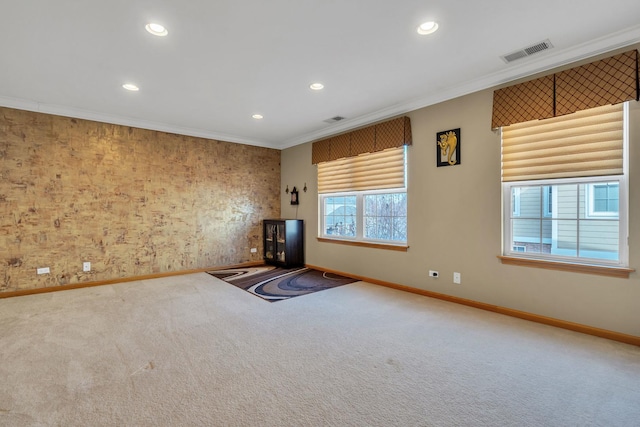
column 369, row 205
column 384, row 230
column 547, row 231
column 400, row 205
column 340, row 216
column 384, row 204
column 567, row 201
column 605, row 197
column 530, row 202
column 527, row 233
column 599, row 239
column 515, row 201
column 400, row 229
column 565, row 238
column 370, row 227
column 547, row 200
column 583, row 193
column 600, row 198
column 385, row 216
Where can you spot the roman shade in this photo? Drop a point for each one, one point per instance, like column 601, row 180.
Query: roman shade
column 390, row 134
column 608, row 81
column 369, row 171
column 585, row 143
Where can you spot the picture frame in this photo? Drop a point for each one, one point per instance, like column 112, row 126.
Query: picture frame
column 295, row 200
column 448, row 148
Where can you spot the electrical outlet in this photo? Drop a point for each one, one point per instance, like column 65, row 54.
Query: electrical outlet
column 433, row 273
column 43, row 270
column 86, row 266
column 456, row 278
column 254, row 250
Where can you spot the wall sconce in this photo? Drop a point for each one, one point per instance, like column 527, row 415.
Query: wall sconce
column 287, row 190
column 305, row 187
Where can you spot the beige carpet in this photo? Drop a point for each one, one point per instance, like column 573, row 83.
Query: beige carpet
column 193, row 350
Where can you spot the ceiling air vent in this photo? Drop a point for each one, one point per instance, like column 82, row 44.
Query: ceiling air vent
column 334, row 119
column 527, row 51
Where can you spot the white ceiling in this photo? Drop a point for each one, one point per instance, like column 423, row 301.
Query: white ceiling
column 225, row 60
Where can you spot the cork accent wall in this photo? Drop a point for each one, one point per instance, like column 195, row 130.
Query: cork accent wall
column 132, row 202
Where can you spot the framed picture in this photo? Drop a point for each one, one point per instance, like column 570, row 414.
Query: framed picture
column 294, row 196
column 448, row 148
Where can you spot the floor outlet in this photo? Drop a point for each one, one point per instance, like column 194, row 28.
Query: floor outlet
column 456, row 278
column 86, row 266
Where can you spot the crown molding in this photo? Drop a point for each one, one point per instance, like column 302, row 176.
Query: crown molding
column 78, row 113
column 511, row 72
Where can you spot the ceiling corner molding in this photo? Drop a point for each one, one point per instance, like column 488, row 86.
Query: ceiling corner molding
column 552, row 59
column 77, row 113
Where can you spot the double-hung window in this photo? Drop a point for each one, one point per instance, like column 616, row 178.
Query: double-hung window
column 565, row 188
column 364, row 198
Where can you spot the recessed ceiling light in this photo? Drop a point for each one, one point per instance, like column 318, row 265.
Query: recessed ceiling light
column 258, row 116
column 316, row 86
column 131, row 87
column 156, row 29
column 428, row 27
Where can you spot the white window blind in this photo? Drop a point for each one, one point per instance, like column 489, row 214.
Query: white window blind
column 581, row 144
column 369, row 171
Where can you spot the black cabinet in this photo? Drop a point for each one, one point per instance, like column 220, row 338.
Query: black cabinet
column 283, row 242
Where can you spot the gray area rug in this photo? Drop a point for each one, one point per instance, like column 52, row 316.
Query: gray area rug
column 192, row 350
column 276, row 284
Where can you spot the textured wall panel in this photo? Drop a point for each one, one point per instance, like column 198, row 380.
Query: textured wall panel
column 130, row 201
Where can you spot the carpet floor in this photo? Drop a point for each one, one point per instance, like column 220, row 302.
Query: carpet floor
column 193, row 351
column 276, row 284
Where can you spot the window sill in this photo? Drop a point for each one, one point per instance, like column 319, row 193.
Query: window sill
column 401, row 248
column 620, row 272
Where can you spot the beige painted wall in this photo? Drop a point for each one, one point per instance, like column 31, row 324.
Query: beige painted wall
column 455, row 225
column 130, row 201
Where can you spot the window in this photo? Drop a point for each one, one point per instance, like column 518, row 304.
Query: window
column 603, row 200
column 365, row 213
column 568, row 230
column 557, row 208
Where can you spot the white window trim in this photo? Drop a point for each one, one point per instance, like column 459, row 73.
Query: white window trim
column 359, row 237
